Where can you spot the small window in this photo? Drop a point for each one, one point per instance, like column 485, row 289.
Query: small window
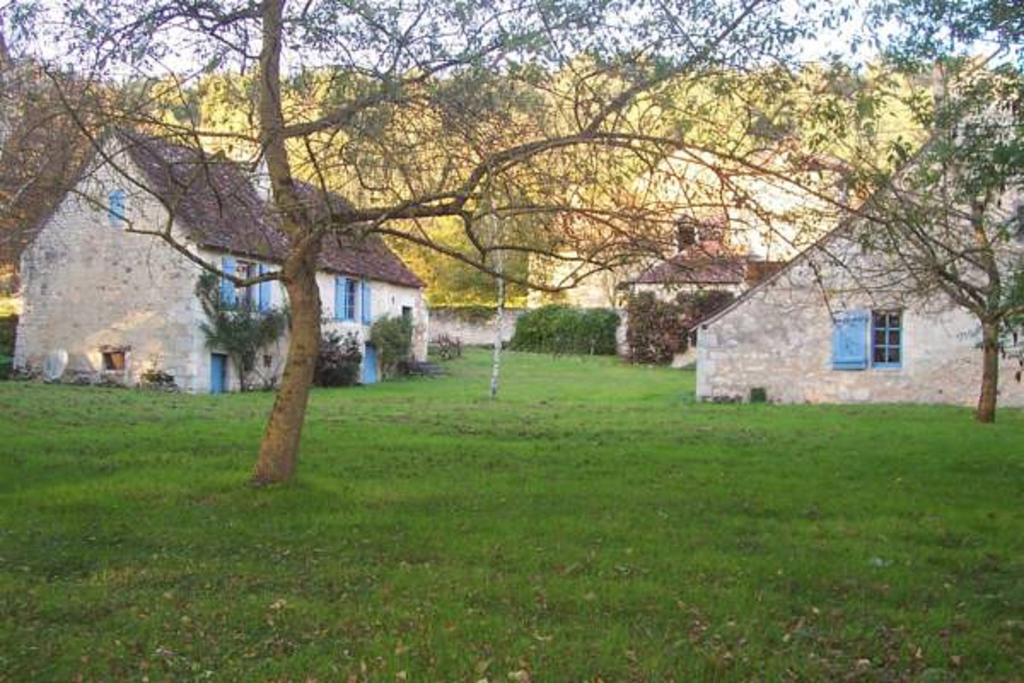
column 113, row 361
column 244, row 296
column 886, row 339
column 407, row 313
column 116, row 207
column 227, row 287
column 263, row 291
column 268, row 360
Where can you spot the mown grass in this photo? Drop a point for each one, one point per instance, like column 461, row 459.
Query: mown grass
column 595, row 523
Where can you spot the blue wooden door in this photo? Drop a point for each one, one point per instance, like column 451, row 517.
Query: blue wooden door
column 370, row 364
column 218, row 373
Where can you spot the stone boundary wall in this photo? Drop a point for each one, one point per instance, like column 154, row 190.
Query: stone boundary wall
column 474, row 330
column 470, row 327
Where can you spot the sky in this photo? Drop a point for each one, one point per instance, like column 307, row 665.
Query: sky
column 825, row 43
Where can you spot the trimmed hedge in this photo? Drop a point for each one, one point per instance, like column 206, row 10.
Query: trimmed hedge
column 566, row 330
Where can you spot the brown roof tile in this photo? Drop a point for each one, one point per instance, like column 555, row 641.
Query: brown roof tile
column 696, row 269
column 214, row 199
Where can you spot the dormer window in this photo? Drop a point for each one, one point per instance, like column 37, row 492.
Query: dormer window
column 116, row 202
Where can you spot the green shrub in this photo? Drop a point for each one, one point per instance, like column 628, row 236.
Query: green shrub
column 337, row 364
column 657, row 329
column 392, row 336
column 8, row 327
column 566, row 330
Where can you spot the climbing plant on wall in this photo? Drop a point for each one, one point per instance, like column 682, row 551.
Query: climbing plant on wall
column 237, row 328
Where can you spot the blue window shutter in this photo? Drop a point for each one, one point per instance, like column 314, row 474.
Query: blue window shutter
column 367, row 311
column 227, row 288
column 850, row 340
column 116, row 207
column 339, row 298
column 264, row 290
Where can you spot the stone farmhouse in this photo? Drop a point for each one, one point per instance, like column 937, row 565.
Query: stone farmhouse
column 101, row 302
column 815, row 332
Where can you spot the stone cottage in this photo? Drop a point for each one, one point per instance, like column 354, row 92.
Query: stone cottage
column 102, row 300
column 816, row 332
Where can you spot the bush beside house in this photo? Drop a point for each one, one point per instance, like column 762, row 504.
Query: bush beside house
column 659, row 330
column 392, row 336
column 8, row 326
column 339, row 360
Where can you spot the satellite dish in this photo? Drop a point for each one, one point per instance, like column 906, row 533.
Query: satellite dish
column 54, row 365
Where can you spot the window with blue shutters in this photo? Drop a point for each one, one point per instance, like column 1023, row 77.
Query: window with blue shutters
column 850, row 340
column 116, row 206
column 227, row 287
column 365, row 305
column 345, row 298
column 886, row 339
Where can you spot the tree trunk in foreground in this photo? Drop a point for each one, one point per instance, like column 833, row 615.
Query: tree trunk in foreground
column 989, row 372
column 279, row 450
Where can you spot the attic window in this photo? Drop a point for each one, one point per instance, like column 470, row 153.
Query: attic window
column 116, row 202
column 114, row 360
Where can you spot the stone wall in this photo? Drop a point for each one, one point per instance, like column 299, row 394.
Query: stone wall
column 779, row 337
column 89, row 286
column 471, row 330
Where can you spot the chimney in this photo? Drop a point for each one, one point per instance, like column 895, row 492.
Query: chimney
column 686, row 234
column 261, row 179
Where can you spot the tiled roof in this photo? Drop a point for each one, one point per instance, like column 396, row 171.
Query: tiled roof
column 215, row 201
column 698, row 269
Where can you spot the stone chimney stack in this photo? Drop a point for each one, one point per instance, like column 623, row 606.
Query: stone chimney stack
column 261, row 180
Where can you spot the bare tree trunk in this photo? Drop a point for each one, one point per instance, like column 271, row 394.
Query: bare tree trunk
column 279, row 450
column 989, row 372
column 499, row 325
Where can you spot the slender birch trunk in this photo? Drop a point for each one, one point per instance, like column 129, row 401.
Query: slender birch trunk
column 499, row 324
column 989, row 373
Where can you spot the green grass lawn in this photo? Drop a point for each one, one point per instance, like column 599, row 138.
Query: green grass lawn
column 593, row 524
